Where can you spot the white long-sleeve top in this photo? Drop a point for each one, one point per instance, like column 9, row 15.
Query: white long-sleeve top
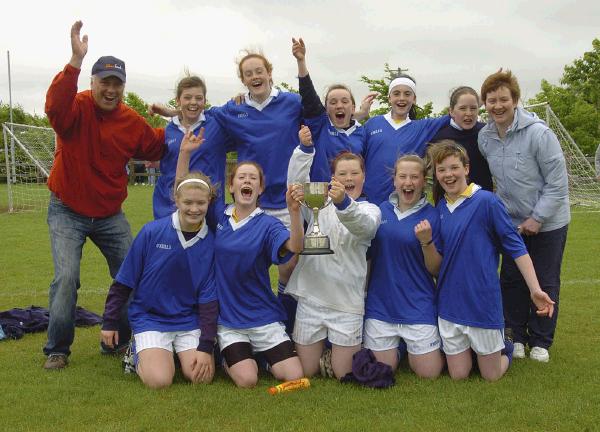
column 336, row 281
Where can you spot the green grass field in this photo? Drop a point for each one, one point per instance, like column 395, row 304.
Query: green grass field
column 93, row 394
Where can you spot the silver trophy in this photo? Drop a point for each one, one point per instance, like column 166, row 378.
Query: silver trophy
column 316, row 197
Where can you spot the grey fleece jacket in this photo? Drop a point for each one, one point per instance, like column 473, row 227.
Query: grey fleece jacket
column 529, row 168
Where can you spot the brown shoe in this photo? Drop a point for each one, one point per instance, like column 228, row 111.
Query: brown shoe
column 56, row 361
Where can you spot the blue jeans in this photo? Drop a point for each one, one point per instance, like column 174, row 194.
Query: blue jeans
column 68, row 233
column 546, row 251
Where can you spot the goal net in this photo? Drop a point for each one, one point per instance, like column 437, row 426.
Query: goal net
column 27, row 159
column 584, row 189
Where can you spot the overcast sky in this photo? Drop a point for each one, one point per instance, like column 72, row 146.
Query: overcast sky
column 443, row 43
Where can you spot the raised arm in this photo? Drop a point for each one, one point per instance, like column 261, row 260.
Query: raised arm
column 302, row 158
column 79, row 45
column 189, row 143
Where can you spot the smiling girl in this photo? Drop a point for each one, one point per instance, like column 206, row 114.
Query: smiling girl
column 474, row 224
column 401, row 299
column 394, row 134
column 247, row 242
column 331, row 288
column 210, row 159
column 464, row 129
column 174, row 307
column 333, row 126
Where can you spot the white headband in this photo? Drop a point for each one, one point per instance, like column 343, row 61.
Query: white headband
column 193, row 180
column 403, row 81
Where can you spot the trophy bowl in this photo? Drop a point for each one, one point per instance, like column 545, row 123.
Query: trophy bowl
column 316, row 197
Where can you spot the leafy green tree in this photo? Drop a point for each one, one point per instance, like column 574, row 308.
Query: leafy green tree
column 381, row 86
column 577, row 100
column 134, row 101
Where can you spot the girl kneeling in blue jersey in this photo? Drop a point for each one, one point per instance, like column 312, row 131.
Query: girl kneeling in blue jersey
column 474, row 225
column 401, row 299
column 247, row 242
column 331, row 288
column 174, row 305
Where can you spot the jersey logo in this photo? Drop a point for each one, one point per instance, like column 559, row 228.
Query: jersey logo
column 171, row 141
column 219, row 226
column 163, row 246
column 376, row 131
column 242, row 115
column 384, row 221
column 333, row 133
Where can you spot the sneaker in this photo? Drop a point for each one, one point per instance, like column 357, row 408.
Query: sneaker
column 539, row 354
column 130, row 358
column 519, row 350
column 325, row 364
column 116, row 350
column 56, row 361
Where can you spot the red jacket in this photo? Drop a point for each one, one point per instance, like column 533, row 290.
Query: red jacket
column 93, row 147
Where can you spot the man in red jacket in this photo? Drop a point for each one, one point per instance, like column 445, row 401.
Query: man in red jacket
column 96, row 136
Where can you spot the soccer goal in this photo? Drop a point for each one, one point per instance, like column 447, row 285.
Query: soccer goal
column 28, row 156
column 584, row 189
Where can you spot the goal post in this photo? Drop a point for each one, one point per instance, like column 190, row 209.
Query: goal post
column 28, row 156
column 584, row 188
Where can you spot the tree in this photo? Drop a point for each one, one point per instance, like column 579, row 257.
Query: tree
column 576, row 101
column 381, row 86
column 141, row 107
column 583, row 76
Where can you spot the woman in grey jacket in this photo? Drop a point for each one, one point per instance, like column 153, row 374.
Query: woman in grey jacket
column 529, row 168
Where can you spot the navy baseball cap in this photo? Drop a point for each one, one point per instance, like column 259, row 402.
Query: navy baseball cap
column 109, row 66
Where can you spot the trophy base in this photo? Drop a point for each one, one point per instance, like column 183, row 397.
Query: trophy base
column 316, row 245
column 316, row 251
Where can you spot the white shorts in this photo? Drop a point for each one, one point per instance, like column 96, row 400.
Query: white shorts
column 315, row 322
column 419, row 338
column 260, row 338
column 282, row 214
column 177, row 340
column 457, row 338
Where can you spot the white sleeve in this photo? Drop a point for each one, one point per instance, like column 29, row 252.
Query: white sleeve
column 299, row 166
column 361, row 219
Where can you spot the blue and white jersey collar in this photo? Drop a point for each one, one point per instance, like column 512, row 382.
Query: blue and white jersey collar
column 191, row 242
column 393, row 123
column 237, row 225
column 395, row 199
column 260, row 106
column 182, row 128
column 454, row 205
column 348, row 131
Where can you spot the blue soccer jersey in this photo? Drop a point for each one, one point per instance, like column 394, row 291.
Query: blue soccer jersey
column 472, row 236
column 169, row 276
column 384, row 144
column 244, row 251
column 209, row 159
column 268, row 136
column 401, row 290
column 329, row 141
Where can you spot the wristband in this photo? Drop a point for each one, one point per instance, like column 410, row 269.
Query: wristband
column 427, row 244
